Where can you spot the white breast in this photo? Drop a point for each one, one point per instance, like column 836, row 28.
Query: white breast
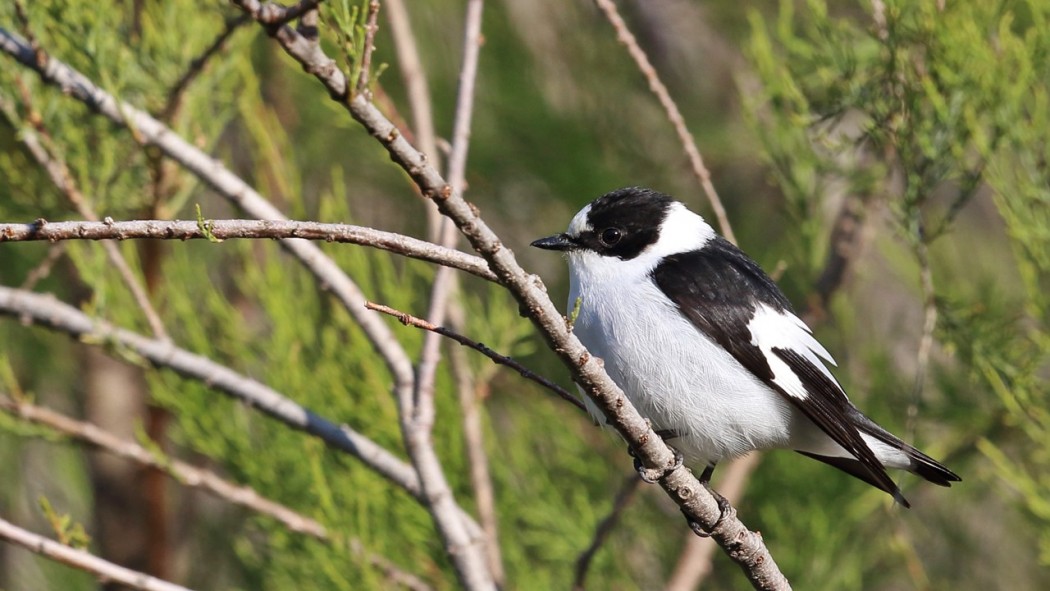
column 677, row 377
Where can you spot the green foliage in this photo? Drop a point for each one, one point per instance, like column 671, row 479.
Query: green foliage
column 921, row 111
column 66, row 530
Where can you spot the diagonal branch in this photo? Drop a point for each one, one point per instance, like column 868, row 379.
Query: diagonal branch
column 605, row 527
column 228, row 229
column 742, row 546
column 85, row 561
column 33, row 308
column 696, row 161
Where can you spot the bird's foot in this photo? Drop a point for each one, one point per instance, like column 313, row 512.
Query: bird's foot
column 723, row 509
column 655, row 475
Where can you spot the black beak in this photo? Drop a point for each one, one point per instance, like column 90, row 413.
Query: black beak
column 556, row 242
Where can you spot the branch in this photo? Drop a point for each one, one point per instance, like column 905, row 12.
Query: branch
column 744, row 547
column 605, row 527
column 193, row 477
column 196, row 67
column 85, row 561
column 257, row 229
column 418, row 94
column 624, row 35
column 46, row 311
column 498, row 359
column 186, row 474
column 370, row 37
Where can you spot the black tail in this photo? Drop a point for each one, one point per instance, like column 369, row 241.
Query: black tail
column 921, row 464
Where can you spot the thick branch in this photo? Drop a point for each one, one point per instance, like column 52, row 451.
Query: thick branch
column 85, row 561
column 227, row 229
column 742, row 546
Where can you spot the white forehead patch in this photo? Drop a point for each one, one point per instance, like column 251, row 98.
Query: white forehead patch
column 579, row 223
column 681, row 231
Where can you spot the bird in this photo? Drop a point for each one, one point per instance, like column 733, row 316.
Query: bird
column 707, row 347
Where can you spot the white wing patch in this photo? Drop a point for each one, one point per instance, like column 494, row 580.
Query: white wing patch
column 771, row 329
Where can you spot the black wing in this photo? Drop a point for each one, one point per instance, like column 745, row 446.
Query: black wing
column 719, row 289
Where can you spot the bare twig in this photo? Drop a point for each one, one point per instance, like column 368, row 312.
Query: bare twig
column 196, row 67
column 415, row 79
column 85, row 561
column 743, row 546
column 696, row 161
column 43, row 269
column 409, row 320
column 371, row 28
column 229, row 229
column 929, row 324
column 420, row 424
column 193, row 477
column 473, row 433
column 470, row 402
column 605, row 527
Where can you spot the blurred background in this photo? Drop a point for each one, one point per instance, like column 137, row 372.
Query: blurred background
column 886, row 160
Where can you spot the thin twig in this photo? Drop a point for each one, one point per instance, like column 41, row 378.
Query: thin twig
column 497, row 358
column 929, row 324
column 371, row 28
column 82, row 560
column 696, row 161
column 605, row 527
column 194, row 477
column 468, row 387
column 43, row 269
column 249, row 229
column 418, row 94
column 741, row 545
column 196, row 67
column 186, row 474
column 419, row 434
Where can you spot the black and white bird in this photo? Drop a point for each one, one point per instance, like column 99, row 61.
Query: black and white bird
column 707, row 347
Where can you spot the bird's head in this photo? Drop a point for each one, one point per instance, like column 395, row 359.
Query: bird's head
column 632, row 225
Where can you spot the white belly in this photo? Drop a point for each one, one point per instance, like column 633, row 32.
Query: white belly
column 676, row 376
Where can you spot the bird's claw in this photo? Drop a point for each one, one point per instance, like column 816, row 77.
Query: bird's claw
column 723, row 509
column 655, row 475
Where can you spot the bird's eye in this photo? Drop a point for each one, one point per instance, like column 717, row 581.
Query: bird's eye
column 610, row 236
